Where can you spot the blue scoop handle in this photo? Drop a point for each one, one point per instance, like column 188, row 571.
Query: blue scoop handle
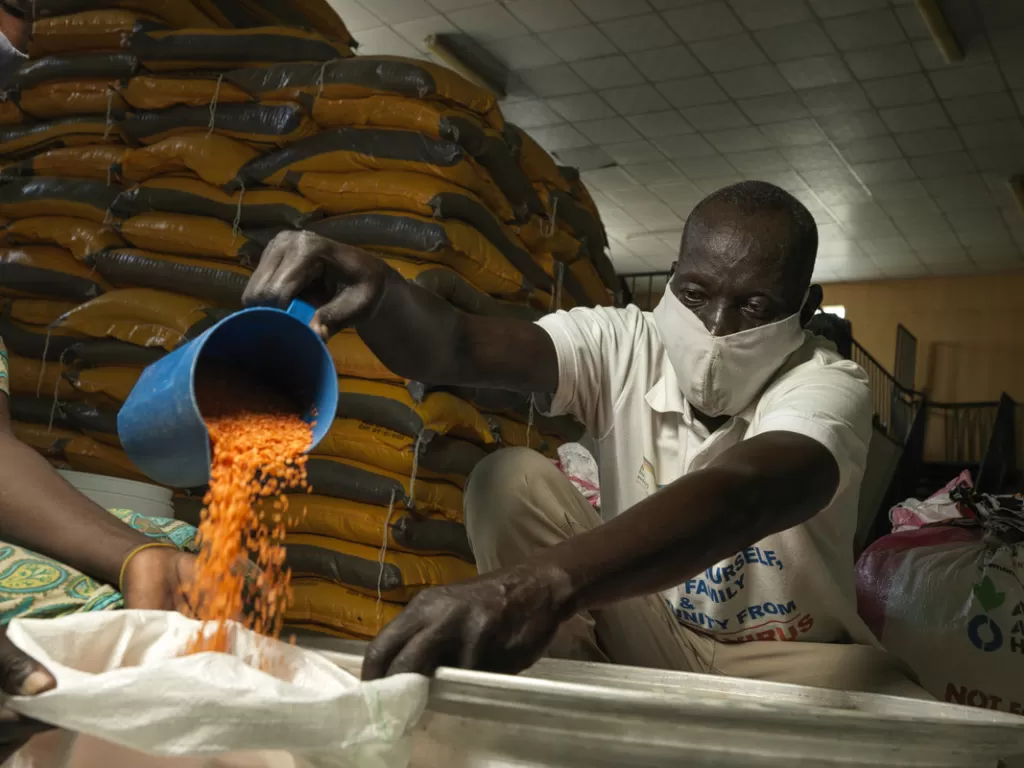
column 302, row 310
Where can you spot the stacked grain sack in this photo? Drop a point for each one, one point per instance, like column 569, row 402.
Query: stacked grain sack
column 151, row 149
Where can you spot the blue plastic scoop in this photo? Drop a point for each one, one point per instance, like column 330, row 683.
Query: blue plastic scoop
column 160, row 426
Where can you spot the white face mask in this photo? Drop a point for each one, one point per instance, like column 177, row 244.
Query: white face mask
column 721, row 375
column 11, row 60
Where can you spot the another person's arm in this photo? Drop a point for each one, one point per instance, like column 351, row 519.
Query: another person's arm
column 415, row 333
column 41, row 511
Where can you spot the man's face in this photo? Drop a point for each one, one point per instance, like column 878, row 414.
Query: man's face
column 735, row 273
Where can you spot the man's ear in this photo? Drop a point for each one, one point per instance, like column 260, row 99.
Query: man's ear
column 815, row 296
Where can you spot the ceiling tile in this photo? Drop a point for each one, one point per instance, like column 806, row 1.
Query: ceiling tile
column 913, row 22
column 654, row 173
column 902, row 190
column 486, row 23
column 398, row 11
column 981, row 109
column 546, row 15
column 851, row 126
column 679, row 147
column 585, row 106
column 703, row 22
column 357, row 18
column 660, row 124
column 635, row 100
column 609, row 180
column 931, row 142
column 835, row 99
column 947, row 164
column 870, row 150
column 755, row 81
column 384, row 41
column 604, row 10
column 795, row 41
column 668, row 5
column 884, row 170
column 773, row 109
column 918, row 117
column 609, row 72
column 677, row 192
column 447, row 5
column 585, row 158
column 757, row 14
column 579, row 43
column 793, row 133
column 522, row 53
column 713, row 184
column 728, row 53
column 814, row 158
column 738, row 140
column 910, row 209
column 858, row 214
column 815, row 72
column 999, row 134
column 639, row 33
column 692, row 91
column 998, row 159
column 713, row 117
column 865, row 30
column 631, row 197
column 762, row 161
column 667, row 63
column 899, row 91
column 830, row 8
column 530, row 114
column 632, row 153
column 712, row 166
column 417, row 30
column 889, row 61
column 559, row 137
column 609, row 131
column 558, row 80
column 958, row 82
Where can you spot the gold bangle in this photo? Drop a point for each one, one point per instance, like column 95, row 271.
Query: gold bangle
column 133, row 553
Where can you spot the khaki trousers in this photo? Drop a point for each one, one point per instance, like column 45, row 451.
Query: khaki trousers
column 518, row 502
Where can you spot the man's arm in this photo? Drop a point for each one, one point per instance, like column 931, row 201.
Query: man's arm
column 415, row 333
column 40, row 511
column 759, row 487
column 504, row 621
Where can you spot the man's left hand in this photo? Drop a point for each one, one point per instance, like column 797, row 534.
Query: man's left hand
column 501, row 622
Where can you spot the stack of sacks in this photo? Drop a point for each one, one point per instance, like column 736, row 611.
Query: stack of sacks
column 152, row 148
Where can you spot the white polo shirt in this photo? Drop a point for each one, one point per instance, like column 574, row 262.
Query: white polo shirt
column 615, row 377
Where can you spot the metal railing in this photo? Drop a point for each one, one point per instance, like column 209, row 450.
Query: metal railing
column 895, row 406
column 966, row 428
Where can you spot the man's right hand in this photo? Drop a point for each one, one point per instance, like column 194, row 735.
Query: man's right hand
column 351, row 279
column 19, row 676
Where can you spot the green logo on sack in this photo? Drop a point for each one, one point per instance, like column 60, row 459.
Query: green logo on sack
column 987, row 594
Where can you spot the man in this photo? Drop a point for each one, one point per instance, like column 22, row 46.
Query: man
column 731, row 448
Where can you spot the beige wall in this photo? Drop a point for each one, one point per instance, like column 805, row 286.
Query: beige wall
column 970, row 331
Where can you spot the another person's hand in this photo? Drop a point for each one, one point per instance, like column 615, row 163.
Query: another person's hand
column 157, row 579
column 349, row 281
column 19, row 676
column 501, row 622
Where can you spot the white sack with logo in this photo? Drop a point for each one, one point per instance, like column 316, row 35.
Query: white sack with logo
column 127, row 696
column 949, row 600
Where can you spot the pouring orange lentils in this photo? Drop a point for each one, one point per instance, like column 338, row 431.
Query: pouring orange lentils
column 258, row 442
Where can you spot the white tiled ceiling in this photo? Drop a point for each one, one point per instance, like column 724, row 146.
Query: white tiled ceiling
column 848, row 104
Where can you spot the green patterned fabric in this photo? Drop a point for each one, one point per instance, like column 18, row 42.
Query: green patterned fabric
column 37, row 587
